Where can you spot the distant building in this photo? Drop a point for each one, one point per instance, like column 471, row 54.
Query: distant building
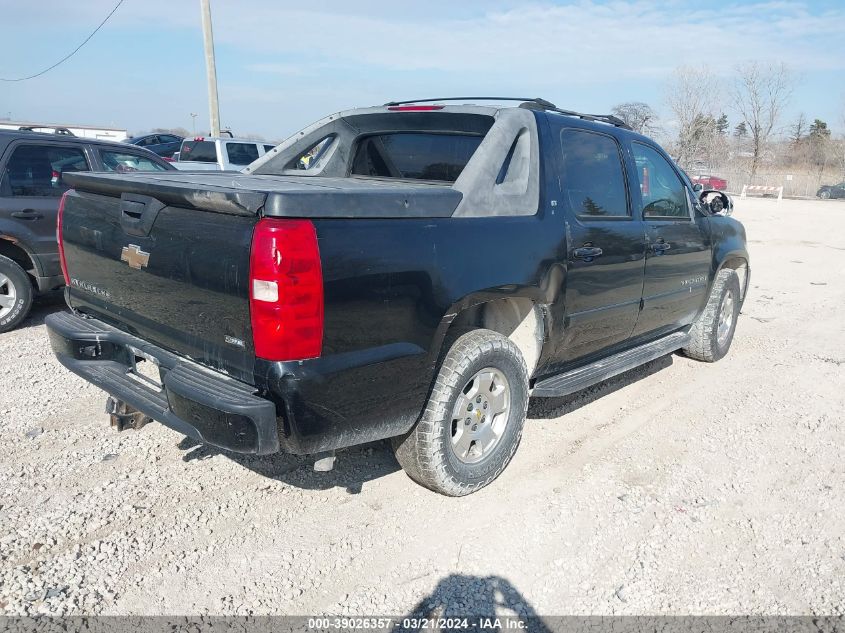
column 83, row 131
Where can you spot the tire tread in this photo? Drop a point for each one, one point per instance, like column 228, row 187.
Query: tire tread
column 420, row 453
column 702, row 345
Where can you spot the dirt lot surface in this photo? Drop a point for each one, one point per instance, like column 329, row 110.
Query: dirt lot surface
column 681, row 487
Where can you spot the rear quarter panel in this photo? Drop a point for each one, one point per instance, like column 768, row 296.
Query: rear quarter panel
column 391, row 288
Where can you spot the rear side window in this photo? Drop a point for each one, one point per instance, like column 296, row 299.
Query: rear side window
column 310, row 157
column 592, row 178
column 241, row 153
column 663, row 192
column 200, row 151
column 414, row 155
column 37, row 170
column 267, row 148
column 124, row 163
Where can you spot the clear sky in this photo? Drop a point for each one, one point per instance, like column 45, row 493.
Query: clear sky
column 282, row 64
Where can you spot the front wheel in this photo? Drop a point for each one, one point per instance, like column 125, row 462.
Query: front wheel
column 15, row 294
column 712, row 333
column 824, row 195
column 473, row 420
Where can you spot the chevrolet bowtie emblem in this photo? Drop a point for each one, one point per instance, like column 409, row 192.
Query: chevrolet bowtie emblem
column 134, row 256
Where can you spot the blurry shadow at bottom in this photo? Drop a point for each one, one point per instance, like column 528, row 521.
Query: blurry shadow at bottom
column 458, row 595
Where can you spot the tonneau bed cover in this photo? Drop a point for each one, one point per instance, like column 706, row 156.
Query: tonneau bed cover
column 280, row 196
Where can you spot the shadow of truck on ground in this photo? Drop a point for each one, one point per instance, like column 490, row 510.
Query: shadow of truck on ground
column 360, row 464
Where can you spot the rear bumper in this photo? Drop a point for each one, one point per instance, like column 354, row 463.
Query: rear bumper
column 194, row 400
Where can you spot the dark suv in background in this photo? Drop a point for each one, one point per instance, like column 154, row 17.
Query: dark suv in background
column 32, row 169
column 164, row 145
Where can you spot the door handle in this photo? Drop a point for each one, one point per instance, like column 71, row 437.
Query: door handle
column 587, row 253
column 27, row 214
column 660, row 247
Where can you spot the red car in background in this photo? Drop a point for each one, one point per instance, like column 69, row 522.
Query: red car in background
column 711, row 182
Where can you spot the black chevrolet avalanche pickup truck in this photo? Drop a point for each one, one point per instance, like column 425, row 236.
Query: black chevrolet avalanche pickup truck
column 414, row 271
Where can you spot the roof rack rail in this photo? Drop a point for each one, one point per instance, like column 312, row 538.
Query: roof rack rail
column 531, row 103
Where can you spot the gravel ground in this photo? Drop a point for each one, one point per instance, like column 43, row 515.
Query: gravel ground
column 680, row 487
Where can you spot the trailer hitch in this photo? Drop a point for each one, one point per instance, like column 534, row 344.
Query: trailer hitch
column 122, row 416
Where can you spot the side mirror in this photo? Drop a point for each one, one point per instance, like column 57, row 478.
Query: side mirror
column 696, row 187
column 718, row 202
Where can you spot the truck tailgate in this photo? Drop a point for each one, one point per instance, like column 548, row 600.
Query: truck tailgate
column 177, row 277
column 166, row 257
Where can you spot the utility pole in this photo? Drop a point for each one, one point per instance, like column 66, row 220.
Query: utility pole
column 194, row 122
column 210, row 68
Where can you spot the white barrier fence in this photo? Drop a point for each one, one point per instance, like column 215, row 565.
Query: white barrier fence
column 762, row 190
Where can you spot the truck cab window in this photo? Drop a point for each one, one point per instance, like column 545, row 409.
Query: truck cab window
column 414, row 155
column 592, row 178
column 199, row 151
column 663, row 192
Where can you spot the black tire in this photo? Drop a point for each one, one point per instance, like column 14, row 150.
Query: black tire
column 705, row 343
column 14, row 282
column 426, row 452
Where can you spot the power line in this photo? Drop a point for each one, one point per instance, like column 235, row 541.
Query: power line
column 72, row 53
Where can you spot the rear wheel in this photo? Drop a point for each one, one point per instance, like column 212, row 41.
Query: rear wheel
column 15, row 294
column 474, row 417
column 711, row 336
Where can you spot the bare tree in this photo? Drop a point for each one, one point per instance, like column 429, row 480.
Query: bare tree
column 759, row 96
column 638, row 115
column 178, row 131
column 798, row 130
column 690, row 96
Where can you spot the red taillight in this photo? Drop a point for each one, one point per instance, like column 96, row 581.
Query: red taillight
column 59, row 234
column 415, row 108
column 286, row 290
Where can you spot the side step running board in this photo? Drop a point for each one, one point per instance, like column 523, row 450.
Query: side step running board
column 588, row 375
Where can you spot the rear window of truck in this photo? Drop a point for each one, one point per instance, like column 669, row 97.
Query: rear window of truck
column 200, row 151
column 414, row 155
